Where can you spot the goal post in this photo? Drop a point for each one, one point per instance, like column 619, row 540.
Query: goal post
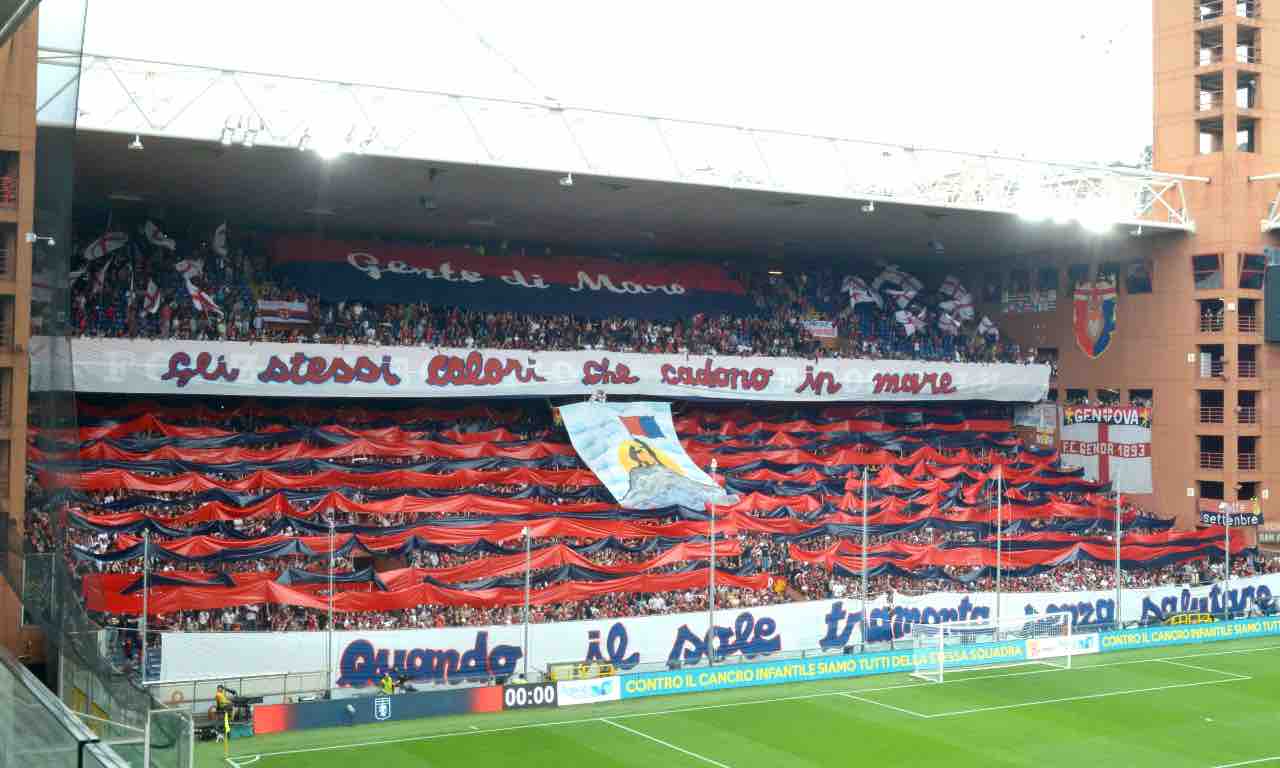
column 1043, row 639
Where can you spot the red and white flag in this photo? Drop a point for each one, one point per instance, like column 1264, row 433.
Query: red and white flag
column 284, row 312
column 910, row 323
column 859, row 293
column 988, row 328
column 100, row 277
column 156, row 237
column 948, row 324
column 959, row 301
column 151, row 301
column 202, row 301
column 111, row 241
column 189, row 268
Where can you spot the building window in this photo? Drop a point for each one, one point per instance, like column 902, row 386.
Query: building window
column 1047, row 279
column 1143, row 398
column 1077, row 397
column 1108, row 396
column 1252, row 266
column 1138, row 277
column 1207, row 271
column 1247, row 134
column 1209, row 135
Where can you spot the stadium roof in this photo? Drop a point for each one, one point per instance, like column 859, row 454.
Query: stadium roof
column 456, row 167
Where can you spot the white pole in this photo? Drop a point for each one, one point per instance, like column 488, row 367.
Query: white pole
column 146, row 589
column 711, row 582
column 528, row 565
column 1227, row 550
column 999, row 537
column 864, row 557
column 1119, row 586
column 328, row 663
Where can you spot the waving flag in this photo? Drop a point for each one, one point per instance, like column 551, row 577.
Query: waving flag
column 859, row 293
column 100, row 277
column 202, row 301
column 189, row 268
column 909, row 322
column 901, row 287
column 959, row 301
column 948, row 324
column 151, row 301
column 156, row 237
column 104, row 245
column 220, row 239
column 988, row 328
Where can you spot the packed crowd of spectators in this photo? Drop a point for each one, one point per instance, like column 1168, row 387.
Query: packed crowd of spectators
column 110, row 300
column 788, row 579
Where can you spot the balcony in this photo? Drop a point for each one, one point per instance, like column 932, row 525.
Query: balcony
column 1248, row 462
column 1212, row 370
column 1248, row 369
column 9, row 191
column 1247, row 414
column 1248, row 54
column 1211, row 415
column 1209, row 101
column 1249, row 324
column 1207, row 10
column 1211, row 460
column 1208, row 56
column 1211, row 323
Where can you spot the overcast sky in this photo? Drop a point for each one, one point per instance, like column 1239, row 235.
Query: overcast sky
column 1050, row 80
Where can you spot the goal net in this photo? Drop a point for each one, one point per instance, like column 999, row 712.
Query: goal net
column 937, row 649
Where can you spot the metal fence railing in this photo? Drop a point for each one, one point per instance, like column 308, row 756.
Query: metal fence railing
column 37, row 730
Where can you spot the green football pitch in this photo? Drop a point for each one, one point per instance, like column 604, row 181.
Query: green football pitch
column 1213, row 705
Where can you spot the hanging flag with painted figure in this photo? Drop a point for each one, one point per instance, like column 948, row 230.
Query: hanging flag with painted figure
column 1093, row 314
column 634, row 450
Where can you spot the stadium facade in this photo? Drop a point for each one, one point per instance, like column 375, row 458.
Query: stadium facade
column 1185, row 332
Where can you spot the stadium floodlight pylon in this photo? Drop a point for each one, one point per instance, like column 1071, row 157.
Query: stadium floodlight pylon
column 1043, row 639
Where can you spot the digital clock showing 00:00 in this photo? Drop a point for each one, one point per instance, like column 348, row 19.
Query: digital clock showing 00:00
column 528, row 695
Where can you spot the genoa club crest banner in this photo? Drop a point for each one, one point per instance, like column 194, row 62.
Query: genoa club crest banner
column 1093, row 316
column 633, row 449
column 408, row 274
column 1113, row 444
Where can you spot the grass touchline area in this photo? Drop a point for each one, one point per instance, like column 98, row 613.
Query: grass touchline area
column 1002, row 700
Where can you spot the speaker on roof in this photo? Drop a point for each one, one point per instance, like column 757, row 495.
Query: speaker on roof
column 1271, row 302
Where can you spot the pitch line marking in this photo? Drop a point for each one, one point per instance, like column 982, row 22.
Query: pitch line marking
column 1206, row 669
column 1084, row 697
column 1259, row 761
column 882, row 704
column 680, row 710
column 668, row 744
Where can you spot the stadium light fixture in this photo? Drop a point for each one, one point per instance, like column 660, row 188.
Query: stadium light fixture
column 304, row 142
column 136, row 144
column 869, row 206
column 566, row 180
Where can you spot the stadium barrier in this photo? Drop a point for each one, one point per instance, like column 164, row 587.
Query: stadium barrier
column 646, row 684
column 654, row 643
column 362, row 710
